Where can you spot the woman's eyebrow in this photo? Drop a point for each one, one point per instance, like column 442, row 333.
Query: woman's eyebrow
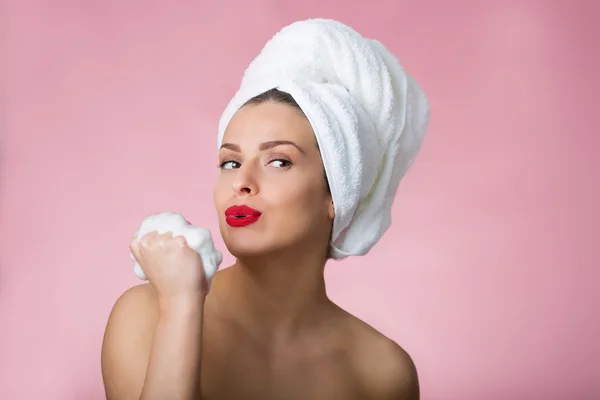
column 264, row 146
column 231, row 146
column 275, row 143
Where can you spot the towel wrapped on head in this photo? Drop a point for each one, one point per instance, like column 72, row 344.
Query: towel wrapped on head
column 368, row 115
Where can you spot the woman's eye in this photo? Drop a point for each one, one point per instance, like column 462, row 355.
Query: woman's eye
column 280, row 163
column 229, row 165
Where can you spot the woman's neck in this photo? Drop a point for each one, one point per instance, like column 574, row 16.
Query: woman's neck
column 276, row 298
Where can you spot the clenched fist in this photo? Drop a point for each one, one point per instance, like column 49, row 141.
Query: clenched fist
column 173, row 269
column 178, row 258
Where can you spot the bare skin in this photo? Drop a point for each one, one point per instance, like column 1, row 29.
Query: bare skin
column 337, row 357
column 266, row 330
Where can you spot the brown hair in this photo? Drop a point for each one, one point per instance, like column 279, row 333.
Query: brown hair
column 276, row 96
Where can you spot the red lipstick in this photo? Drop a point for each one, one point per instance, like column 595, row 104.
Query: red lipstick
column 239, row 216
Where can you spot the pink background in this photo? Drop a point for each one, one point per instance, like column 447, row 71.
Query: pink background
column 489, row 276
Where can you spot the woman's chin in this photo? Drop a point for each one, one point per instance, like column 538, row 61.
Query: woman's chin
column 244, row 248
column 251, row 244
column 251, row 248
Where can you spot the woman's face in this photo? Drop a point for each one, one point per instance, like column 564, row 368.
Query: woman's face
column 270, row 162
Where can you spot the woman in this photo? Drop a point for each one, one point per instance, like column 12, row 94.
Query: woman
column 267, row 329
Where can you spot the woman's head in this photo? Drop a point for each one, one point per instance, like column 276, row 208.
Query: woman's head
column 270, row 161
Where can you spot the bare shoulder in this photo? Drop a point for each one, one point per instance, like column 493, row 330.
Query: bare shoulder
column 384, row 369
column 128, row 340
column 136, row 308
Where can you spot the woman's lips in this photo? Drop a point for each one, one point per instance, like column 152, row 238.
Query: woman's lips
column 239, row 216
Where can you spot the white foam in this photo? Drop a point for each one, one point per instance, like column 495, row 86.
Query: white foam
column 198, row 239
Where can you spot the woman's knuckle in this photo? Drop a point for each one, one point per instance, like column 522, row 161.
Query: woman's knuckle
column 179, row 241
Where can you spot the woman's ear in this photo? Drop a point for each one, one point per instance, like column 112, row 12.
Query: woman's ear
column 331, row 211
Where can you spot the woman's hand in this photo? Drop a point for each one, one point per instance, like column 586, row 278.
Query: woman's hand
column 174, row 270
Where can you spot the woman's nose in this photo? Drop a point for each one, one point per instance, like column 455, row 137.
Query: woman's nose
column 245, row 182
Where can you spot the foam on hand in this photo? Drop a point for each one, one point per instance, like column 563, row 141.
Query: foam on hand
column 198, row 239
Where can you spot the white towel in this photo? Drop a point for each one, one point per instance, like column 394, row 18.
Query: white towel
column 369, row 117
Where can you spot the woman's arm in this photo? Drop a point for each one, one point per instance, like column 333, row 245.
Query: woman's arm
column 152, row 350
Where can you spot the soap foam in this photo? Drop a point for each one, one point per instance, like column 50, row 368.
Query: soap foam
column 198, row 239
